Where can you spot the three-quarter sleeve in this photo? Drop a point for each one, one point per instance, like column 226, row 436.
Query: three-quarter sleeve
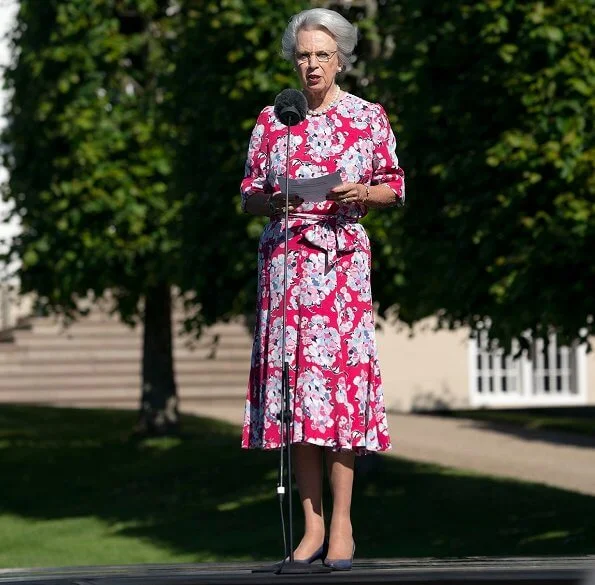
column 256, row 168
column 385, row 164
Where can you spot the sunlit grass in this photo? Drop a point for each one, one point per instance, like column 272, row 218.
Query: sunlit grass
column 77, row 541
column 551, row 535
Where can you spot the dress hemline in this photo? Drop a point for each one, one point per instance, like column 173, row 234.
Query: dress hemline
column 358, row 449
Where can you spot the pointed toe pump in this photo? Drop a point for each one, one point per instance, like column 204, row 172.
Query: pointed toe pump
column 317, row 555
column 341, row 564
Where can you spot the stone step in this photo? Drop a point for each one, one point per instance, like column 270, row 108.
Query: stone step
column 62, row 367
column 12, row 354
column 86, row 328
column 31, row 339
column 232, row 404
column 123, row 380
column 98, row 314
column 112, row 395
column 95, row 319
column 97, row 361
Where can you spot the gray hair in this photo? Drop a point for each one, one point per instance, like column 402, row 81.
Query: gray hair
column 344, row 33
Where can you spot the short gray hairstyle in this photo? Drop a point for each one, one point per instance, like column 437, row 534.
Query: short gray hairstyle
column 344, row 33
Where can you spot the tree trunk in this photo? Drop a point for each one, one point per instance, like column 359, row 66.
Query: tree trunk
column 159, row 400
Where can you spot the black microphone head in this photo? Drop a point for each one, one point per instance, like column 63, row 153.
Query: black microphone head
column 291, row 107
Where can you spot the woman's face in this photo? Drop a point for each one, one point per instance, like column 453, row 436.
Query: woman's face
column 316, row 76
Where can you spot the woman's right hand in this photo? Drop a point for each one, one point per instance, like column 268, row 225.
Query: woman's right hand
column 277, row 203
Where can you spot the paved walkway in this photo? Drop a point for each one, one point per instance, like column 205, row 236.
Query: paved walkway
column 556, row 459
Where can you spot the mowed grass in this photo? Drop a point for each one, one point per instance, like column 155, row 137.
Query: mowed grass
column 77, row 489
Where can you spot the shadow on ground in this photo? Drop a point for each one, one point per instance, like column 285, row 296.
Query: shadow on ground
column 573, row 426
column 203, row 493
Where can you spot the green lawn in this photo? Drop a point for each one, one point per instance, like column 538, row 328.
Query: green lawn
column 75, row 489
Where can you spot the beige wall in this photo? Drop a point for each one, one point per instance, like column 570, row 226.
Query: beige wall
column 428, row 370
column 591, row 375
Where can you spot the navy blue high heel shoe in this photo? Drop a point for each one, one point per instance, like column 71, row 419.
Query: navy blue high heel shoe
column 319, row 554
column 340, row 564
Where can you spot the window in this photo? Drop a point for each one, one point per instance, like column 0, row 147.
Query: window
column 550, row 375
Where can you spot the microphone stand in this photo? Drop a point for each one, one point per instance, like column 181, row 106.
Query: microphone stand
column 288, row 565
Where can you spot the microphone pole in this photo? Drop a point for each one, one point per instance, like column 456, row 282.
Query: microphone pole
column 286, row 410
column 290, row 109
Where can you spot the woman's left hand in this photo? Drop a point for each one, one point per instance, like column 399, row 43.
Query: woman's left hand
column 348, row 193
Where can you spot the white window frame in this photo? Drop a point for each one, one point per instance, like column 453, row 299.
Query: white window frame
column 523, row 383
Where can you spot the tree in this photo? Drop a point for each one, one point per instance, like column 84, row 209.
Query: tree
column 494, row 104
column 90, row 165
column 127, row 126
column 228, row 66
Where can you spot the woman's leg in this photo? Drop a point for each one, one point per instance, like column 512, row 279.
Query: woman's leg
column 340, row 467
column 307, row 465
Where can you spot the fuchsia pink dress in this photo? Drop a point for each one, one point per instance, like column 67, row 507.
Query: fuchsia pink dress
column 335, row 385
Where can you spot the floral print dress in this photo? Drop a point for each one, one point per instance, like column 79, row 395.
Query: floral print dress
column 334, row 377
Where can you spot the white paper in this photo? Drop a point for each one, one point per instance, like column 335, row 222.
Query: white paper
column 311, row 190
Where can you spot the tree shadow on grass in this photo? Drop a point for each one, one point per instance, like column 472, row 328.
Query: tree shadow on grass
column 201, row 493
column 574, row 426
column 409, row 509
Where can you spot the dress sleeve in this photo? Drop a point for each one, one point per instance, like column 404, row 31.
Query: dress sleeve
column 256, row 168
column 386, row 169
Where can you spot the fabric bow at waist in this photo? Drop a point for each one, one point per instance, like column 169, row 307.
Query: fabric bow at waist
column 332, row 233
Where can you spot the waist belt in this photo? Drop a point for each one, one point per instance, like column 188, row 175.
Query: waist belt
column 334, row 234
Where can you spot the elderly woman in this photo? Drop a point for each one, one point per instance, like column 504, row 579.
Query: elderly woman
column 335, row 386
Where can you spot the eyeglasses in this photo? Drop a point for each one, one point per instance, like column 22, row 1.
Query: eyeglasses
column 321, row 56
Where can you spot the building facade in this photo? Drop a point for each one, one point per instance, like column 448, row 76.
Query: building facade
column 428, row 370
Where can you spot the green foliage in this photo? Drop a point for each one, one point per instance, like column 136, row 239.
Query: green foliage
column 89, row 159
column 130, row 120
column 495, row 103
column 127, row 135
column 227, row 68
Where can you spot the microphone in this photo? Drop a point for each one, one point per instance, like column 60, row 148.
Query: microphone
column 291, row 107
